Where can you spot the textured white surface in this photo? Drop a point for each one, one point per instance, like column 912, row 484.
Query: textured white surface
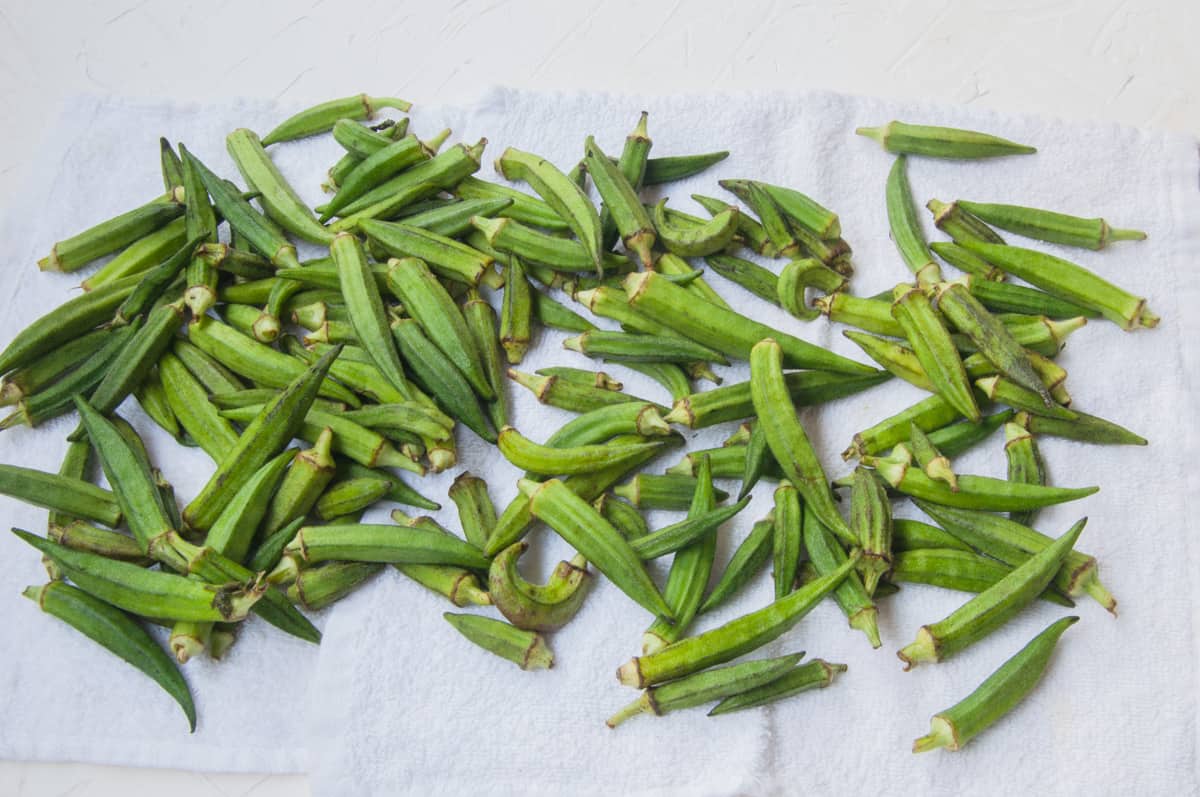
column 1127, row 62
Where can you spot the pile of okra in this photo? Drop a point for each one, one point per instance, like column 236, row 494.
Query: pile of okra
column 435, row 281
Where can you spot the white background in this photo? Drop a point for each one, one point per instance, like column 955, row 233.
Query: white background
column 1129, row 62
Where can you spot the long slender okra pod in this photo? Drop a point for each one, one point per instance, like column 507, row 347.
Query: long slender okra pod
column 826, row 555
column 996, row 696
column 734, row 402
column 140, row 256
column 531, row 456
column 574, row 519
column 724, row 330
column 367, row 313
column 564, row 196
column 965, row 571
column 118, row 633
column 787, row 439
column 906, row 228
column 975, row 492
column 1084, row 428
column 270, row 430
column 621, row 202
column 667, row 491
column 523, row 208
column 788, row 538
column 690, row 570
column 735, row 638
column 536, row 607
column 871, row 520
column 62, row 494
column 375, row 543
column 439, row 377
column 941, row 142
column 934, row 348
column 816, row 674
column 377, row 167
column 1069, row 281
column 705, row 687
column 626, row 347
column 72, row 254
column 526, row 649
column 321, row 118
column 47, row 369
column 672, row 538
column 993, row 607
column 196, row 413
column 745, row 563
column 569, row 395
column 1047, row 225
column 201, row 220
column 484, row 329
column 516, row 312
column 679, row 167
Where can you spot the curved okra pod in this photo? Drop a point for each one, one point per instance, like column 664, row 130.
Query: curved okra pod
column 708, row 238
column 734, row 402
column 871, row 520
column 705, row 687
column 516, row 312
column 935, row 349
column 816, row 674
column 603, row 423
column 941, row 142
column 262, row 233
column 964, row 571
column 800, row 274
column 72, row 254
column 689, row 574
column 196, row 413
column 990, row 336
column 975, row 492
column 750, row 232
column 536, row 607
column 150, row 593
column 672, row 538
column 906, row 228
column 724, row 330
column 788, row 542
column 365, row 305
column 826, row 555
column 531, row 456
column 744, row 565
column 1013, row 543
column 526, row 649
column 577, row 522
column 787, row 439
column 733, row 639
column 61, row 494
column 627, row 347
column 621, row 203
column 320, row 587
column 1069, row 281
column 1047, row 225
column 668, row 491
column 322, row 117
column 118, row 633
column 991, row 608
column 270, row 430
column 476, row 512
column 996, row 696
column 564, row 196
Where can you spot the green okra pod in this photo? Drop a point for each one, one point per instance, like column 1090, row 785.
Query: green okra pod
column 626, row 347
column 735, row 638
column 672, row 538
column 322, row 117
column 621, row 202
column 975, row 492
column 709, row 238
column 118, row 633
column 745, row 563
column 516, row 312
column 935, row 349
column 1048, row 225
column 320, row 587
column 941, row 142
column 667, row 491
column 679, row 167
column 964, row 571
column 853, row 598
column 935, row 464
column 439, row 377
column 906, row 228
column 912, row 535
column 871, row 521
column 61, row 494
column 140, row 256
column 536, row 607
column 310, row 472
column 996, row 696
column 816, row 674
column 531, row 456
column 624, row 517
column 523, row 207
column 483, row 326
column 448, row 257
column 991, row 608
column 577, row 522
column 568, row 395
column 375, row 543
column 704, row 687
column 365, row 304
column 191, row 405
column 72, row 254
column 46, row 370
column 377, row 167
column 476, row 512
column 788, row 539
column 526, row 649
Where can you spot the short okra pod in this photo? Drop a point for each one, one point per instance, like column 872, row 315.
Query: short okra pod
column 975, row 492
column 1070, row 281
column 816, row 674
column 758, row 460
column 526, row 649
column 1047, row 225
column 574, row 519
column 69, row 496
column 150, row 593
column 583, row 376
column 604, row 423
column 787, row 439
column 1002, row 391
column 705, row 687
column 564, row 196
column 458, row 585
column 992, row 608
column 531, row 456
column 930, row 413
column 536, row 607
column 826, row 555
column 668, row 491
column 788, row 540
column 734, row 402
column 709, row 238
column 941, row 142
column 363, row 141
column 365, row 304
column 118, row 633
column 350, row 497
column 624, row 517
column 621, row 202
column 476, row 512
column 72, row 254
column 724, row 330
column 871, row 521
column 935, row 464
column 996, row 696
column 960, row 224
column 311, row 471
column 110, row 544
column 679, row 167
column 322, row 117
column 743, row 566
column 516, row 312
column 689, row 574
column 735, row 638
column 320, row 587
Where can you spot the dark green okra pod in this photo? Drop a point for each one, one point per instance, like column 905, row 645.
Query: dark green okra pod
column 788, row 538
column 745, row 563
